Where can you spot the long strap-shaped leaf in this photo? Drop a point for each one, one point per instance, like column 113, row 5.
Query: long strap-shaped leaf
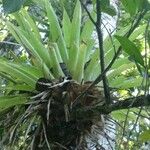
column 91, row 66
column 130, row 48
column 17, row 72
column 33, row 72
column 10, row 101
column 35, row 47
column 79, row 74
column 55, row 31
column 55, row 60
column 88, row 29
column 17, row 87
column 66, row 27
column 31, row 42
column 75, row 38
column 26, row 22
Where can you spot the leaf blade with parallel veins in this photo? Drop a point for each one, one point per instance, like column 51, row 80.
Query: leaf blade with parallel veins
column 131, row 49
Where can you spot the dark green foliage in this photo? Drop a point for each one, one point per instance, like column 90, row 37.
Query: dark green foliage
column 11, row 6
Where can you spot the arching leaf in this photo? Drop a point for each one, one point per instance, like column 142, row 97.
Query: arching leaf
column 130, row 48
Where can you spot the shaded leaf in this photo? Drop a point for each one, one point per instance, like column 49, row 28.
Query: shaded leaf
column 130, row 48
column 11, row 6
column 110, row 10
column 9, row 101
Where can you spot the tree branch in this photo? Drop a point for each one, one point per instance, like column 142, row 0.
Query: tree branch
column 133, row 102
column 101, row 50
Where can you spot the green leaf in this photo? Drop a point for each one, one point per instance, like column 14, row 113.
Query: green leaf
column 27, row 18
column 9, row 101
column 117, row 71
column 145, row 136
column 138, row 32
column 89, row 26
column 121, row 115
column 105, row 3
column 55, row 60
column 130, row 48
column 31, row 71
column 18, row 72
column 107, row 8
column 33, row 44
column 119, row 62
column 79, row 75
column 66, row 28
column 124, row 83
column 148, row 38
column 93, row 62
column 28, row 2
column 75, row 38
column 110, row 10
column 11, row 6
column 131, row 6
column 18, row 87
column 56, row 34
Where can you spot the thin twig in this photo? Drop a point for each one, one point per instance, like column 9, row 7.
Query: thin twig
column 115, row 122
column 124, row 128
column 135, row 123
column 142, row 116
column 111, row 39
column 91, row 18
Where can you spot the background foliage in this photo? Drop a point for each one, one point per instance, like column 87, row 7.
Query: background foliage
column 36, row 39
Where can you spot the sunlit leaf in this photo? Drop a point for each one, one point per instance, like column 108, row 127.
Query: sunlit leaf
column 75, row 37
column 145, row 136
column 131, row 6
column 121, row 115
